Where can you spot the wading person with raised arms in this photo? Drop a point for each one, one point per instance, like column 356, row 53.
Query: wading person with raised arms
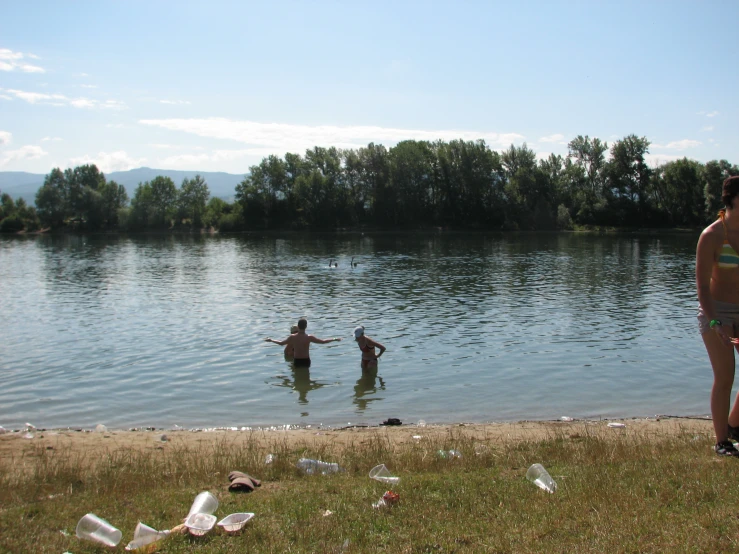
column 300, row 343
column 717, row 280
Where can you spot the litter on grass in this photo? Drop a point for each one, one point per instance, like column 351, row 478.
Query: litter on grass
column 233, row 523
column 199, row 524
column 388, row 499
column 382, row 474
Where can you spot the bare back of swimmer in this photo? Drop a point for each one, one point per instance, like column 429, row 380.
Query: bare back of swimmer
column 300, row 343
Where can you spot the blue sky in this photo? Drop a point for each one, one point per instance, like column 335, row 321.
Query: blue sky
column 216, row 86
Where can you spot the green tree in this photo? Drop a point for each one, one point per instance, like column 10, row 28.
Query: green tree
column 193, row 198
column 113, row 198
column 81, row 183
column 629, row 180
column 679, row 189
column 588, row 181
column 51, row 203
column 522, row 187
column 163, row 199
column 714, row 174
column 143, row 210
column 410, row 178
column 374, row 177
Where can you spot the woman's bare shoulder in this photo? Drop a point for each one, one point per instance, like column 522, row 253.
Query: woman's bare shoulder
column 714, row 231
column 712, row 237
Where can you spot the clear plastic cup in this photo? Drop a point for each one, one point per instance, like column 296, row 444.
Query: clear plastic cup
column 93, row 528
column 382, row 474
column 541, row 478
column 204, row 503
column 144, row 535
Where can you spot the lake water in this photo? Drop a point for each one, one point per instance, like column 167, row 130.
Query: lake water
column 163, row 331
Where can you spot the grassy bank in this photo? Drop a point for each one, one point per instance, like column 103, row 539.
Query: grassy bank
column 619, row 491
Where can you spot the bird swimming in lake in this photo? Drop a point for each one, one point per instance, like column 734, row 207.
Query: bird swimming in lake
column 353, row 263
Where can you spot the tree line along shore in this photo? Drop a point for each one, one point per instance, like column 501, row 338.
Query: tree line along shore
column 456, row 184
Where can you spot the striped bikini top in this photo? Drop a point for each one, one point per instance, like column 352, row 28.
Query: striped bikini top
column 728, row 258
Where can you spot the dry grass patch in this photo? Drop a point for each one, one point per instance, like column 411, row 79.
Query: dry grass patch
column 619, row 491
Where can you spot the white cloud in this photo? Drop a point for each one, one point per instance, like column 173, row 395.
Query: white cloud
column 6, row 97
column 707, row 128
column 113, row 105
column 5, row 138
column 162, row 146
column 81, row 75
column 714, row 113
column 557, row 138
column 11, row 61
column 175, row 102
column 82, row 103
column 23, row 153
column 54, row 139
column 679, row 144
column 61, row 100
column 190, row 161
column 278, row 138
column 109, row 161
column 655, row 160
column 88, row 86
column 35, row 97
column 115, row 125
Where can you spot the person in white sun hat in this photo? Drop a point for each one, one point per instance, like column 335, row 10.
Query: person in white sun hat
column 367, row 346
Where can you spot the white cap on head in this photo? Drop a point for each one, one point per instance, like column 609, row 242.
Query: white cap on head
column 358, row 332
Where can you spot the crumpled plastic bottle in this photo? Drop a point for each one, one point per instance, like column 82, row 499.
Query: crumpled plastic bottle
column 450, row 454
column 311, row 467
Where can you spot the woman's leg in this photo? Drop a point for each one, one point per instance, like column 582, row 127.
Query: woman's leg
column 722, row 362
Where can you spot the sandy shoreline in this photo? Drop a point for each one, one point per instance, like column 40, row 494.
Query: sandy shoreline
column 17, row 445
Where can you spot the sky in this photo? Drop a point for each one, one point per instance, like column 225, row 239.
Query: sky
column 217, row 86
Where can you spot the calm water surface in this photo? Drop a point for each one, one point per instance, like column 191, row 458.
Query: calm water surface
column 164, row 331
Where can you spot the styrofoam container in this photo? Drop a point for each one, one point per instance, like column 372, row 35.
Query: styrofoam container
column 235, row 522
column 200, row 524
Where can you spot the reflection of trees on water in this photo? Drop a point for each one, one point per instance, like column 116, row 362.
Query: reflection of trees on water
column 367, row 384
column 299, row 381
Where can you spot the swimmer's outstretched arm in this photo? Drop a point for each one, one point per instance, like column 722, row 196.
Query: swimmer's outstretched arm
column 280, row 342
column 323, row 341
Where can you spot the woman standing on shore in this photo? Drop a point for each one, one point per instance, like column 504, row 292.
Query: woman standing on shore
column 367, row 346
column 717, row 280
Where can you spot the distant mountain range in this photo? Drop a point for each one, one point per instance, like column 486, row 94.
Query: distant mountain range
column 20, row 184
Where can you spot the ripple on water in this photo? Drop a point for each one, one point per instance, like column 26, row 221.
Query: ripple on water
column 161, row 331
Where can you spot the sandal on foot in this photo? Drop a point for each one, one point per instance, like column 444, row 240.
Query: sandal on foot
column 726, row 448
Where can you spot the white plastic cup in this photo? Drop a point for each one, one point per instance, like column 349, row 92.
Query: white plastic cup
column 541, row 478
column 382, row 474
column 205, row 503
column 93, row 528
column 144, row 535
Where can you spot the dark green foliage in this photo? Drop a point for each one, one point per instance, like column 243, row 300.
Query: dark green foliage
column 460, row 184
column 192, row 200
column 17, row 216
